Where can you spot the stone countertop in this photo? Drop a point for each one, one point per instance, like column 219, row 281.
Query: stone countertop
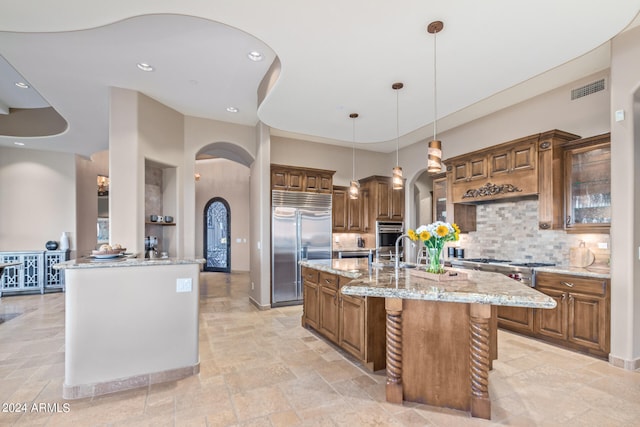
column 90, row 262
column 347, row 267
column 595, row 272
column 385, row 282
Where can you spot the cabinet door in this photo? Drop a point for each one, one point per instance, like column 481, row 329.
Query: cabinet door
column 279, row 179
column 352, row 318
column 397, row 204
column 311, row 304
column 552, row 322
column 326, row 183
column 519, row 319
column 329, row 313
column 339, row 209
column 312, row 183
column 296, row 180
column 588, row 189
column 588, row 322
column 354, row 214
column 382, row 201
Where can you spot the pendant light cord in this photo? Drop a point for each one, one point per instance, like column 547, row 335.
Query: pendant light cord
column 397, row 126
column 435, row 88
column 353, row 152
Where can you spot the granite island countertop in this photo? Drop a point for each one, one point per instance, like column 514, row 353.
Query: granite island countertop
column 385, row 282
column 89, row 262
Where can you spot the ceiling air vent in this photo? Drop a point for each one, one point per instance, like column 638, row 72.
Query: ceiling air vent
column 594, row 87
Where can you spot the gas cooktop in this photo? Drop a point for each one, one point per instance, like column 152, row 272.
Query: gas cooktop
column 506, row 261
column 486, row 260
column 532, row 264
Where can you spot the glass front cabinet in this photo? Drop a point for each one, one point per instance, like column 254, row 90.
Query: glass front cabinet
column 588, row 185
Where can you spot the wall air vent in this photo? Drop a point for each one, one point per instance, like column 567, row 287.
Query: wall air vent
column 594, row 87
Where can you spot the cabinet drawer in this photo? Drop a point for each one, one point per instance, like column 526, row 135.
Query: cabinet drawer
column 310, row 275
column 568, row 283
column 328, row 280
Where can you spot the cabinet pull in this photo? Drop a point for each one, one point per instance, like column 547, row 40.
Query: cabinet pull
column 568, row 220
column 564, row 297
column 567, row 284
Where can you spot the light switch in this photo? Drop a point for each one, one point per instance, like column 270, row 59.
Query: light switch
column 184, row 285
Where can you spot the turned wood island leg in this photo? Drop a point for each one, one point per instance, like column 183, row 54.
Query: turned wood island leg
column 393, row 307
column 480, row 361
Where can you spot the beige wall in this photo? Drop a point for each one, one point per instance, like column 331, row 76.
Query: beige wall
column 625, row 179
column 230, row 181
column 37, row 198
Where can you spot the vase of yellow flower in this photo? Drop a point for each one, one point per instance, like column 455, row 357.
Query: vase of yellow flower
column 434, row 236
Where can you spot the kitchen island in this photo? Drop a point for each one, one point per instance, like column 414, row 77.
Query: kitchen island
column 438, row 333
column 129, row 323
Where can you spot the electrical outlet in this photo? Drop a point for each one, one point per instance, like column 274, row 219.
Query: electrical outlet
column 603, row 245
column 184, row 285
column 253, row 286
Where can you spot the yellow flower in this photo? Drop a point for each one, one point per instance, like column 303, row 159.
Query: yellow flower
column 425, row 235
column 442, row 230
column 456, row 228
column 412, row 235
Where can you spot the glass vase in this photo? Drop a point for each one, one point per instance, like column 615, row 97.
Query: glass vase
column 436, row 262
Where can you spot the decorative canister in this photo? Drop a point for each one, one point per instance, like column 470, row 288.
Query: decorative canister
column 51, row 245
column 64, row 241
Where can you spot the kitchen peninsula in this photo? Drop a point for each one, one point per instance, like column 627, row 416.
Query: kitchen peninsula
column 129, row 323
column 438, row 334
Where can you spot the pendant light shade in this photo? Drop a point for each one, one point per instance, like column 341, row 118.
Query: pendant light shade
column 354, row 188
column 397, row 181
column 434, row 150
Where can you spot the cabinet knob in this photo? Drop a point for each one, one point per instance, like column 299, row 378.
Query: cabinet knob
column 544, row 225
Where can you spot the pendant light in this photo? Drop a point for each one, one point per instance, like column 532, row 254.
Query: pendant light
column 397, row 171
column 434, row 150
column 354, row 188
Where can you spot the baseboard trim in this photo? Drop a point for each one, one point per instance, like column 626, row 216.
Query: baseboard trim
column 627, row 365
column 128, row 383
column 259, row 306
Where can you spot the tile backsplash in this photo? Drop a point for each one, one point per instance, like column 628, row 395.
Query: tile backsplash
column 509, row 230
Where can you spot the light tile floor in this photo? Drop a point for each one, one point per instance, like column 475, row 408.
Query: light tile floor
column 261, row 368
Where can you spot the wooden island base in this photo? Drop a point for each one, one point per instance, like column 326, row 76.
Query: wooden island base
column 440, row 353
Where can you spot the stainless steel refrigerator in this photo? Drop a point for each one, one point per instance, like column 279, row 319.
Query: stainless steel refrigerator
column 300, row 230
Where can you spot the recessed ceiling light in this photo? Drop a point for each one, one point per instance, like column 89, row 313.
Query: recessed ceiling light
column 232, row 109
column 22, row 85
column 145, row 67
column 255, row 56
column 18, row 143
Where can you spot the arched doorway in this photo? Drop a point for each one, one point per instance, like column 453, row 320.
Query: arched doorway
column 217, row 235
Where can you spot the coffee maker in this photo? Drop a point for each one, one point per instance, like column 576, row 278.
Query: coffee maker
column 150, row 247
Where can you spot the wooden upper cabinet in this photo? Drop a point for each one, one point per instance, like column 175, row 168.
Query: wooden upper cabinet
column 588, row 185
column 293, row 178
column 380, row 202
column 347, row 213
column 502, row 171
column 470, row 169
column 520, row 157
column 551, row 178
column 318, row 182
column 339, row 209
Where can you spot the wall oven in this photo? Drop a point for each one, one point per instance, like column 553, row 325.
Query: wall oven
column 387, row 232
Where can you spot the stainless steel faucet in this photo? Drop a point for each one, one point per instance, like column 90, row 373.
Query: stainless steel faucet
column 397, row 260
